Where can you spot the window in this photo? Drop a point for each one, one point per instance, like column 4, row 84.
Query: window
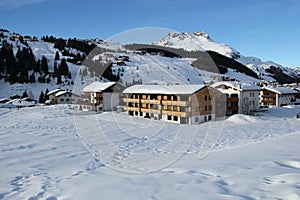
column 197, row 109
column 196, row 119
column 209, row 98
column 184, row 98
column 175, row 108
column 67, row 99
column 209, row 117
column 205, row 98
column 169, row 117
column 175, row 118
column 62, row 100
column 205, row 108
column 169, row 107
column 209, row 107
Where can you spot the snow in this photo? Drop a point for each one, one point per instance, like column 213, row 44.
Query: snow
column 98, row 86
column 195, row 41
column 281, row 90
column 238, row 86
column 164, row 89
column 45, row 154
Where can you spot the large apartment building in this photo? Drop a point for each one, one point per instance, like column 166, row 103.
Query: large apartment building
column 184, row 104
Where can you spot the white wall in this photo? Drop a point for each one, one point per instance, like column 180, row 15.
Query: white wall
column 283, row 99
column 110, row 100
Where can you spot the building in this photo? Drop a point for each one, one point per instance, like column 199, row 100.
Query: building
column 277, row 96
column 100, row 96
column 184, row 104
column 65, row 97
column 240, row 98
column 52, row 93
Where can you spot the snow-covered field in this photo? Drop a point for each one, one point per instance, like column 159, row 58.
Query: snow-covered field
column 58, row 153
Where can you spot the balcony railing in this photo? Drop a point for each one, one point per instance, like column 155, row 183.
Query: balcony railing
column 132, row 109
column 151, row 111
column 148, row 101
column 176, row 113
column 175, row 103
column 131, row 100
column 233, row 99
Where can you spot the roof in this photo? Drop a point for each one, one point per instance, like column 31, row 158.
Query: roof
column 164, row 89
column 281, row 90
column 98, row 86
column 238, row 86
column 54, row 91
column 64, row 92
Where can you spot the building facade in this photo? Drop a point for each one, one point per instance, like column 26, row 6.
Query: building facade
column 65, row 97
column 100, row 96
column 240, row 99
column 277, row 96
column 184, row 104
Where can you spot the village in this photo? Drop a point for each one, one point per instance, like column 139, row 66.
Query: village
column 182, row 104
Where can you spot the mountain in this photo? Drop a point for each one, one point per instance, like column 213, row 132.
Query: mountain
column 36, row 65
column 201, row 41
column 198, row 41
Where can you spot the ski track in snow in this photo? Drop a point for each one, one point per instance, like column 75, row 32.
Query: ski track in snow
column 42, row 157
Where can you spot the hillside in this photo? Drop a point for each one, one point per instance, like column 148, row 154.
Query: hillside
column 269, row 71
column 38, row 65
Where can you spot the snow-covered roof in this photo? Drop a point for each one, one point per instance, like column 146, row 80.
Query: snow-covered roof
column 164, row 89
column 281, row 90
column 64, row 92
column 98, row 86
column 54, row 91
column 238, row 86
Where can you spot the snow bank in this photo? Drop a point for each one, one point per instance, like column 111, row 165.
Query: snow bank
column 242, row 119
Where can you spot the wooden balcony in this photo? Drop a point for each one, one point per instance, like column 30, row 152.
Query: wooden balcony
column 151, row 111
column 148, row 101
column 132, row 109
column 233, row 99
column 126, row 100
column 176, row 113
column 175, row 103
column 236, row 108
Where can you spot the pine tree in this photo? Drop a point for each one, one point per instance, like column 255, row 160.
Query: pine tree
column 24, row 95
column 63, row 67
column 42, row 97
column 55, row 69
column 37, row 66
column 58, row 81
column 44, row 65
column 46, row 94
column 57, row 55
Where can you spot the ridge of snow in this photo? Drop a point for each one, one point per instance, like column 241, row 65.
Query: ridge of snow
column 195, row 41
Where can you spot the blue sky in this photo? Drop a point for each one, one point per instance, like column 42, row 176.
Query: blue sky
column 268, row 29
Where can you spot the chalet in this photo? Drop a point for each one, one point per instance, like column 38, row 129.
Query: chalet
column 52, row 93
column 241, row 98
column 24, row 102
column 277, row 96
column 100, row 96
column 65, row 97
column 184, row 104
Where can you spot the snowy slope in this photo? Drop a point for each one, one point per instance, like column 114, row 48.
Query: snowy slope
column 202, row 42
column 158, row 69
column 196, row 41
column 44, row 154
